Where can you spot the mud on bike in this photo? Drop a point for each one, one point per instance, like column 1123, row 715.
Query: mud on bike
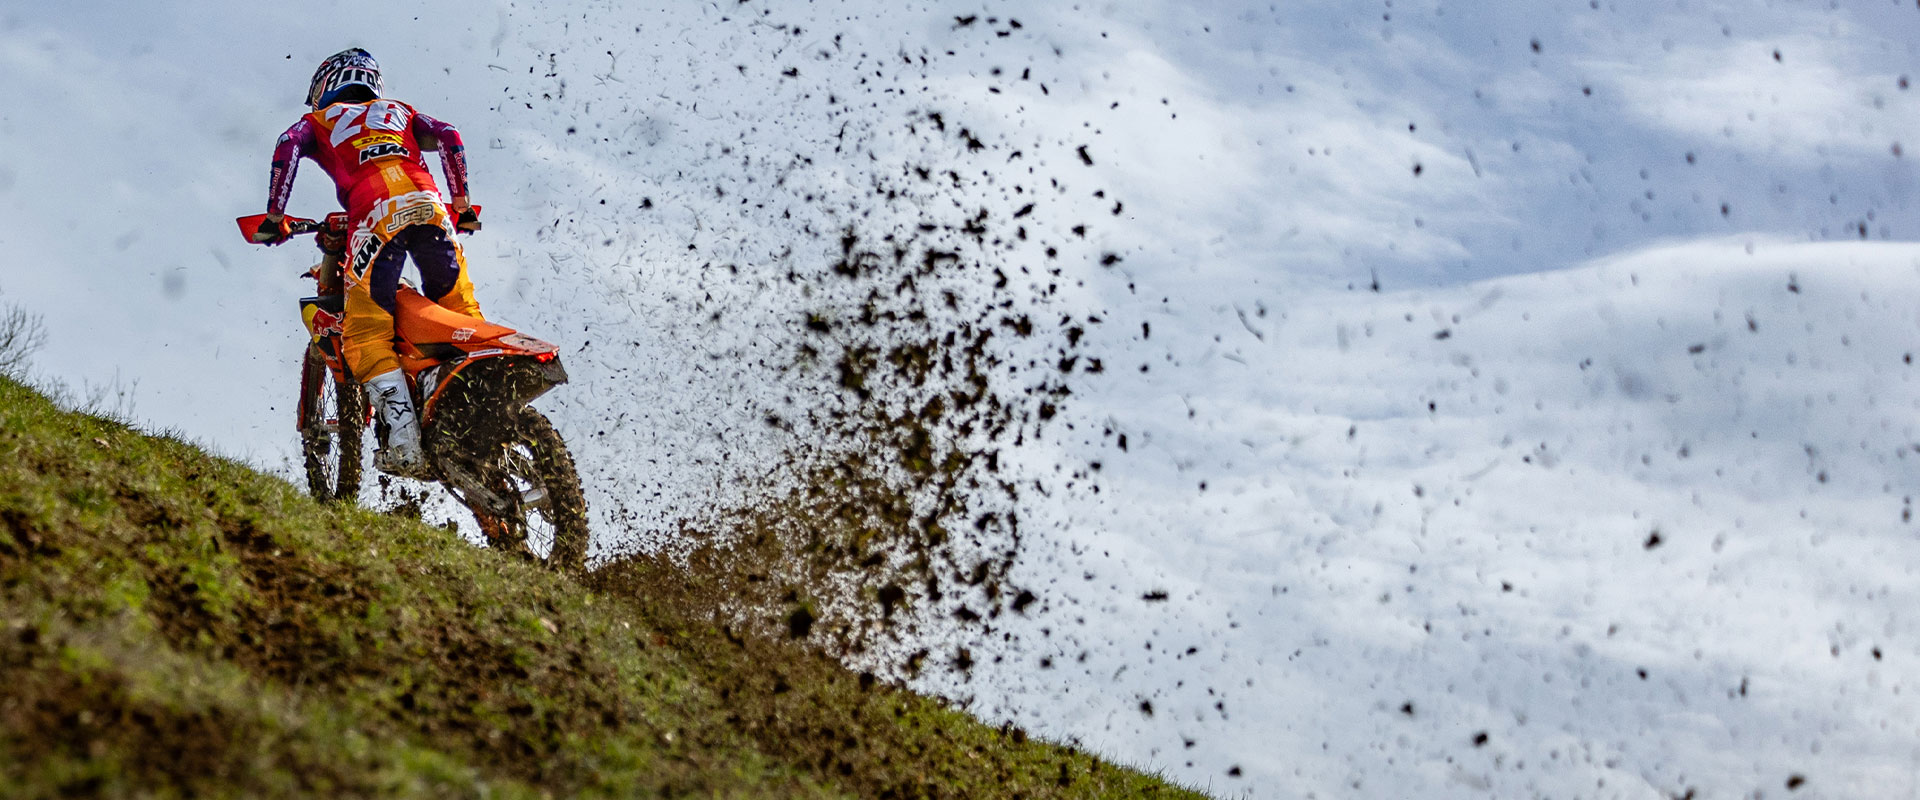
column 472, row 381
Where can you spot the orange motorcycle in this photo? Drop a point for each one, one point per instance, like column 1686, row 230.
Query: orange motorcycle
column 472, row 381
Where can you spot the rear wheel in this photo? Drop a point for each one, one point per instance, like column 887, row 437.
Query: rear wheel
column 333, row 417
column 535, row 477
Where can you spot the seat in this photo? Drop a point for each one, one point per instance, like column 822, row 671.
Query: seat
column 421, row 321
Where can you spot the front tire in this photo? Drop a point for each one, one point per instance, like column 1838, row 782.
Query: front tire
column 333, row 417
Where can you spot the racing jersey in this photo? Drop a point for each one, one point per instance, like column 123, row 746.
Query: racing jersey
column 372, row 152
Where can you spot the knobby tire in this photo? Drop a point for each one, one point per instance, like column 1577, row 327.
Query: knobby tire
column 566, row 506
column 333, row 458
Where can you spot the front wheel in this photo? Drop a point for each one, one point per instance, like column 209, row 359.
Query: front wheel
column 535, row 478
column 333, row 416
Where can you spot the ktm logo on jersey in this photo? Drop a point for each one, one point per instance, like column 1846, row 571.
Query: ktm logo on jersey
column 383, row 150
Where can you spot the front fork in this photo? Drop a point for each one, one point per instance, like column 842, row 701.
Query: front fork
column 327, row 273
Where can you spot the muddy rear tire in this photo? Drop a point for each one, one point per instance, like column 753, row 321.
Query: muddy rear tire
column 332, row 425
column 536, row 461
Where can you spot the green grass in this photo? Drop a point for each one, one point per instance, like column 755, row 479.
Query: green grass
column 177, row 625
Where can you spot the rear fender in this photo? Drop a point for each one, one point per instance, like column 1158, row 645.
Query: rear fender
column 465, row 398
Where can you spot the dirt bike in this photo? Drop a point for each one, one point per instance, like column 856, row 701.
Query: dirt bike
column 472, row 380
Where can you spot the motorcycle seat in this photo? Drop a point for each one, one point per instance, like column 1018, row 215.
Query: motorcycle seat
column 421, row 321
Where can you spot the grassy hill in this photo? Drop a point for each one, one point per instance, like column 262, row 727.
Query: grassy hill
column 173, row 624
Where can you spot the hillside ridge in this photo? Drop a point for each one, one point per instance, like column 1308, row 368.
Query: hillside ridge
column 174, row 624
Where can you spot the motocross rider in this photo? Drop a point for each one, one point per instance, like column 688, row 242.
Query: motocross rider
column 371, row 147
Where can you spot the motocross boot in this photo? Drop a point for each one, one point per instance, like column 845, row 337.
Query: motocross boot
column 403, row 455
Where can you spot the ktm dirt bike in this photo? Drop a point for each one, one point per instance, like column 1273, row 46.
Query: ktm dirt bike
column 472, row 380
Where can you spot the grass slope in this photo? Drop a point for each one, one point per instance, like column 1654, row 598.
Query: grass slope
column 172, row 624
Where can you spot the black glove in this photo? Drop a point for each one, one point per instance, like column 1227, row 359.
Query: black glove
column 467, row 221
column 271, row 233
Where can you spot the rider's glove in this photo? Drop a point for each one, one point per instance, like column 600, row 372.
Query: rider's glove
column 467, row 220
column 272, row 232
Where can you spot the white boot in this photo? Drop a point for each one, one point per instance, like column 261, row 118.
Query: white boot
column 402, row 456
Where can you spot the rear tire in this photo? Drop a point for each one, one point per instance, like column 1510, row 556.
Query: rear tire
column 534, row 462
column 333, row 417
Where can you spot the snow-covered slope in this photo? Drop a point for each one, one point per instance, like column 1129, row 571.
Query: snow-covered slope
column 1496, row 370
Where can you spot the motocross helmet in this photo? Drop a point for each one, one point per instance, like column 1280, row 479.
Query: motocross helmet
column 354, row 67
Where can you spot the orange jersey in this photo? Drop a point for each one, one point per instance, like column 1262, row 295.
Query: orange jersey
column 372, row 151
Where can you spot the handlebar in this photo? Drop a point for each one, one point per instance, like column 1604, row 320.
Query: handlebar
column 296, row 226
column 304, row 226
column 335, row 222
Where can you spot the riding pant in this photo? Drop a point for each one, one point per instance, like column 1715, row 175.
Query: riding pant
column 372, row 275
